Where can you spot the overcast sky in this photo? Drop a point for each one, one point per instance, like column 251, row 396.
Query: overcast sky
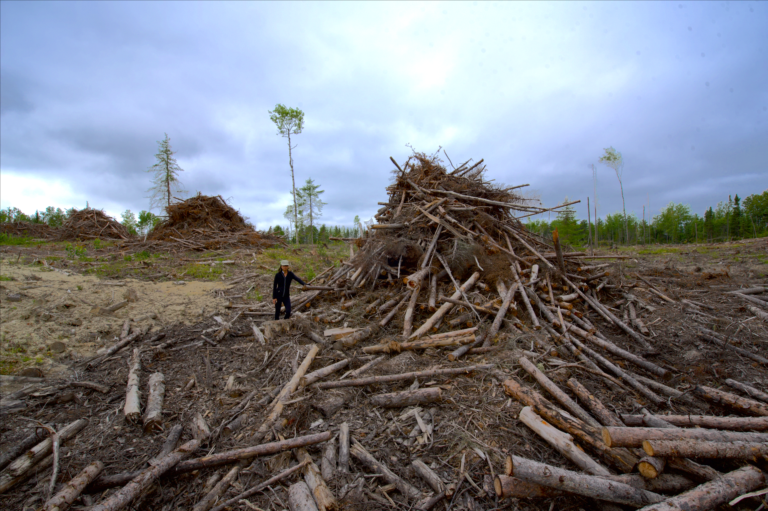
column 536, row 89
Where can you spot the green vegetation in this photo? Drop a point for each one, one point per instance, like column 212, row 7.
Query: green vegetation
column 204, row 271
column 75, row 251
column 10, row 239
column 5, row 278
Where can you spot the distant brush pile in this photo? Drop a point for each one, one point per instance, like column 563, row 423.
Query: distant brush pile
column 204, row 222
column 90, row 223
column 28, row 229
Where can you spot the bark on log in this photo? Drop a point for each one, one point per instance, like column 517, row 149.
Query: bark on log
column 705, row 449
column 634, row 437
column 153, row 418
column 323, row 496
column 259, row 487
column 561, row 442
column 605, row 416
column 429, row 476
column 328, row 462
column 704, row 421
column 397, row 347
column 14, row 451
column 132, row 409
column 72, row 490
column 580, row 484
column 508, row 486
column 359, row 452
column 221, row 487
column 505, row 305
column 748, row 389
column 650, row 467
column 362, row 334
column 665, row 483
column 136, row 486
column 423, row 329
column 667, row 391
column 740, row 404
column 712, row 494
column 364, row 368
column 215, row 460
column 26, row 462
column 392, row 313
column 511, row 487
column 279, row 402
column 757, row 312
column 170, row 443
column 619, row 458
column 299, row 496
column 400, row 377
column 323, row 372
column 560, row 396
column 725, row 343
column 200, row 429
column 344, row 448
column 407, row 398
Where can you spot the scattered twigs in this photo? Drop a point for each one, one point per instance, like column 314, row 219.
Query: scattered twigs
column 261, row 486
column 725, row 343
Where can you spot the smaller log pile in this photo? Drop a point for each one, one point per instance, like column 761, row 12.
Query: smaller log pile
column 28, row 229
column 208, row 223
column 89, row 223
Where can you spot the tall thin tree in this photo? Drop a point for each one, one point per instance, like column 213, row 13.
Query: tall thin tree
column 289, row 121
column 613, row 159
column 314, row 204
column 166, row 179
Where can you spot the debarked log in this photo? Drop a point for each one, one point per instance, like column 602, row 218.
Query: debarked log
column 713, row 493
column 397, row 347
column 359, row 452
column 153, row 418
column 132, row 407
column 360, row 335
column 705, row 449
column 314, row 479
column 72, row 490
column 634, row 437
column 323, row 372
column 581, row 484
column 407, row 398
column 300, row 498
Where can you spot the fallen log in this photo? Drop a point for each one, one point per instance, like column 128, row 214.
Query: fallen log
column 222, row 486
column 322, row 373
column 170, row 443
column 443, row 310
column 360, row 335
column 397, row 347
column 15, row 450
column 359, row 452
column 72, row 490
column 430, row 477
column 299, row 496
column 27, row 461
column 215, row 460
column 740, row 404
column 560, row 396
column 622, row 459
column 323, row 496
column 705, row 449
column 400, row 377
column 508, row 486
column 705, row 421
column 124, row 496
column 344, row 448
column 407, row 398
column 132, row 408
column 748, row 389
column 259, row 487
column 561, row 442
column 581, row 484
column 711, row 494
column 153, row 418
column 634, row 437
column 725, row 343
column 605, row 416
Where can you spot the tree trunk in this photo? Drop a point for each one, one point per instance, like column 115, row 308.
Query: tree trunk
column 344, row 448
column 714, row 493
column 704, row 421
column 705, row 449
column 300, row 498
column 429, row 476
column 221, row 487
column 153, row 418
column 389, row 378
column 323, row 497
column 132, row 407
column 605, row 416
column 740, row 404
column 562, row 442
column 747, row 389
column 407, row 398
column 293, row 183
column 74, row 487
column 634, row 437
column 323, row 372
column 580, row 484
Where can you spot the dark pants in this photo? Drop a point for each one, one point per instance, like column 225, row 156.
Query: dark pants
column 283, row 301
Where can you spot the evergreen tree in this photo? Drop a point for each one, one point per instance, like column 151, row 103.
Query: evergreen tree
column 166, row 180
column 735, row 221
column 312, row 203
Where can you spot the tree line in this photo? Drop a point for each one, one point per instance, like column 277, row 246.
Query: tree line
column 727, row 221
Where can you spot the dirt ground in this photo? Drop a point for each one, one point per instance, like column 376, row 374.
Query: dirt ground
column 470, row 431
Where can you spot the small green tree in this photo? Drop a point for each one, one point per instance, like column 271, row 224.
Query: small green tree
column 166, row 178
column 289, row 121
column 129, row 221
column 567, row 226
column 278, row 231
column 735, row 221
column 314, row 205
column 54, row 216
column 147, row 221
column 613, row 159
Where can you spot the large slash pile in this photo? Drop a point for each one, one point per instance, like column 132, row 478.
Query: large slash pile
column 206, row 223
column 567, row 399
column 89, row 223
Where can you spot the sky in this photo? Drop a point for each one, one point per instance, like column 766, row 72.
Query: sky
column 538, row 90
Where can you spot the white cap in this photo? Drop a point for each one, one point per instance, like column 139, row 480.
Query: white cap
column 285, row 262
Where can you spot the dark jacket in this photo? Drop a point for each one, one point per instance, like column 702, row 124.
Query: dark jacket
column 282, row 286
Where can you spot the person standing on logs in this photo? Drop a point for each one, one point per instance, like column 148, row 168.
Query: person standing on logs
column 281, row 289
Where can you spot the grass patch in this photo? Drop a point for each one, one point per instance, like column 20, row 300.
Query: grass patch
column 657, row 251
column 5, row 278
column 10, row 239
column 142, row 256
column 204, row 271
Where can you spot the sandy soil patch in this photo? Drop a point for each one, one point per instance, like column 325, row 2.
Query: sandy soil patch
column 40, row 306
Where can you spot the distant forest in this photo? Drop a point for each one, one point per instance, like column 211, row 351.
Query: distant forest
column 730, row 220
